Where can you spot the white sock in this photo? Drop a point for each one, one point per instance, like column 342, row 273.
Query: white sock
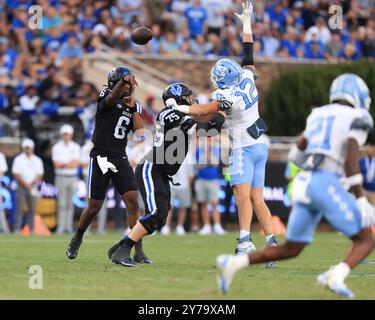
column 241, row 261
column 269, row 237
column 244, row 233
column 341, row 270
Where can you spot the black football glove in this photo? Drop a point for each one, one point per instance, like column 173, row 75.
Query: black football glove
column 225, row 105
column 186, row 123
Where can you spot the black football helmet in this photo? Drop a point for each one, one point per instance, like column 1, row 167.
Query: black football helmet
column 116, row 74
column 180, row 92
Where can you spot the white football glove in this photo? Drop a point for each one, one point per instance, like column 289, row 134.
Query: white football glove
column 171, row 103
column 367, row 212
column 247, row 10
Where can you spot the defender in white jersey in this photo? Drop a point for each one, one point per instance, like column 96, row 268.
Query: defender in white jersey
column 235, row 85
column 328, row 153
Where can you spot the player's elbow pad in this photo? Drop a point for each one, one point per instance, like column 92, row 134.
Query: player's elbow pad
column 248, row 58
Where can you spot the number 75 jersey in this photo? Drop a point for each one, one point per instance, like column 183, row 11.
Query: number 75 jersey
column 330, row 126
column 244, row 111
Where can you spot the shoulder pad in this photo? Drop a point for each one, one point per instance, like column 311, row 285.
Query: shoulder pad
column 363, row 123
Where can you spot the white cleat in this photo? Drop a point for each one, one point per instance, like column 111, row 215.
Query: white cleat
column 218, row 229
column 329, row 280
column 206, row 230
column 180, row 231
column 165, row 231
column 225, row 272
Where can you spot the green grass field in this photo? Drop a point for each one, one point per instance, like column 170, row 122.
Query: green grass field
column 183, row 269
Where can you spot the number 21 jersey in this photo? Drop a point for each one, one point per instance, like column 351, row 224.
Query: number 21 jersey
column 112, row 125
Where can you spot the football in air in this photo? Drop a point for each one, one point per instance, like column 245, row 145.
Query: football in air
column 141, row 35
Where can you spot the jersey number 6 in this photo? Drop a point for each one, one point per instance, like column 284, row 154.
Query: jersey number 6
column 120, row 130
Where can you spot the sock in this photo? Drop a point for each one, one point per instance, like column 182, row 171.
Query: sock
column 341, row 270
column 79, row 233
column 129, row 242
column 241, row 261
column 269, row 237
column 138, row 246
column 244, row 233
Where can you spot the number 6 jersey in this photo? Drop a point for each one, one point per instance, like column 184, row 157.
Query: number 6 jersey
column 112, row 125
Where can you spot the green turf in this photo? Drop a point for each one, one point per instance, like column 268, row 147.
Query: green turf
column 183, row 269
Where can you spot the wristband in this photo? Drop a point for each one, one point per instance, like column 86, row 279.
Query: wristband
column 248, row 58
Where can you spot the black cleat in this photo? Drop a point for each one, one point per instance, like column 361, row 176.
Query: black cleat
column 140, row 257
column 72, row 251
column 122, row 256
column 113, row 249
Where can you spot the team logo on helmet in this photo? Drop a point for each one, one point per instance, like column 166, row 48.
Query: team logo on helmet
column 176, row 90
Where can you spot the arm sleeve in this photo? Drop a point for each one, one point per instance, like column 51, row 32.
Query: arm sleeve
column 248, row 58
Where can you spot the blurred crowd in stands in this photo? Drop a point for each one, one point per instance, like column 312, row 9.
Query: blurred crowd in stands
column 41, row 69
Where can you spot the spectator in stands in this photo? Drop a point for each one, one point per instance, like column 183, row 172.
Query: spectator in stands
column 291, row 42
column 196, row 16
column 4, row 228
column 66, row 156
column 70, row 55
column 216, row 11
column 128, row 9
column 368, row 43
column 367, row 165
column 350, row 52
column 334, row 47
column 314, row 50
column 171, row 43
column 270, row 43
column 29, row 102
column 207, row 185
column 27, row 170
column 181, row 197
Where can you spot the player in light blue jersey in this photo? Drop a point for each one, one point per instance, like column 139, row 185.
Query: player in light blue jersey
column 235, row 85
column 327, row 152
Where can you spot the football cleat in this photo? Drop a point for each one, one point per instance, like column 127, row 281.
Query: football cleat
column 122, row 256
column 271, row 243
column 112, row 249
column 328, row 279
column 72, row 251
column 140, row 257
column 225, row 272
column 245, row 246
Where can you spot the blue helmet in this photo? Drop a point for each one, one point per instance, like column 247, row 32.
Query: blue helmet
column 351, row 88
column 226, row 73
column 116, row 74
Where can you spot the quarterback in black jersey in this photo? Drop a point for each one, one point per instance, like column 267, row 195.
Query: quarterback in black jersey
column 117, row 113
column 155, row 171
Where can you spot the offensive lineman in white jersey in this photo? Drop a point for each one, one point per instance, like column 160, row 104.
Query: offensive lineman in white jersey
column 249, row 152
column 328, row 152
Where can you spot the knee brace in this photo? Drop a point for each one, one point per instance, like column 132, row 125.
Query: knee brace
column 152, row 222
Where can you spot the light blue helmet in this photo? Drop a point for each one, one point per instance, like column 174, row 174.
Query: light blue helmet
column 351, row 88
column 226, row 73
